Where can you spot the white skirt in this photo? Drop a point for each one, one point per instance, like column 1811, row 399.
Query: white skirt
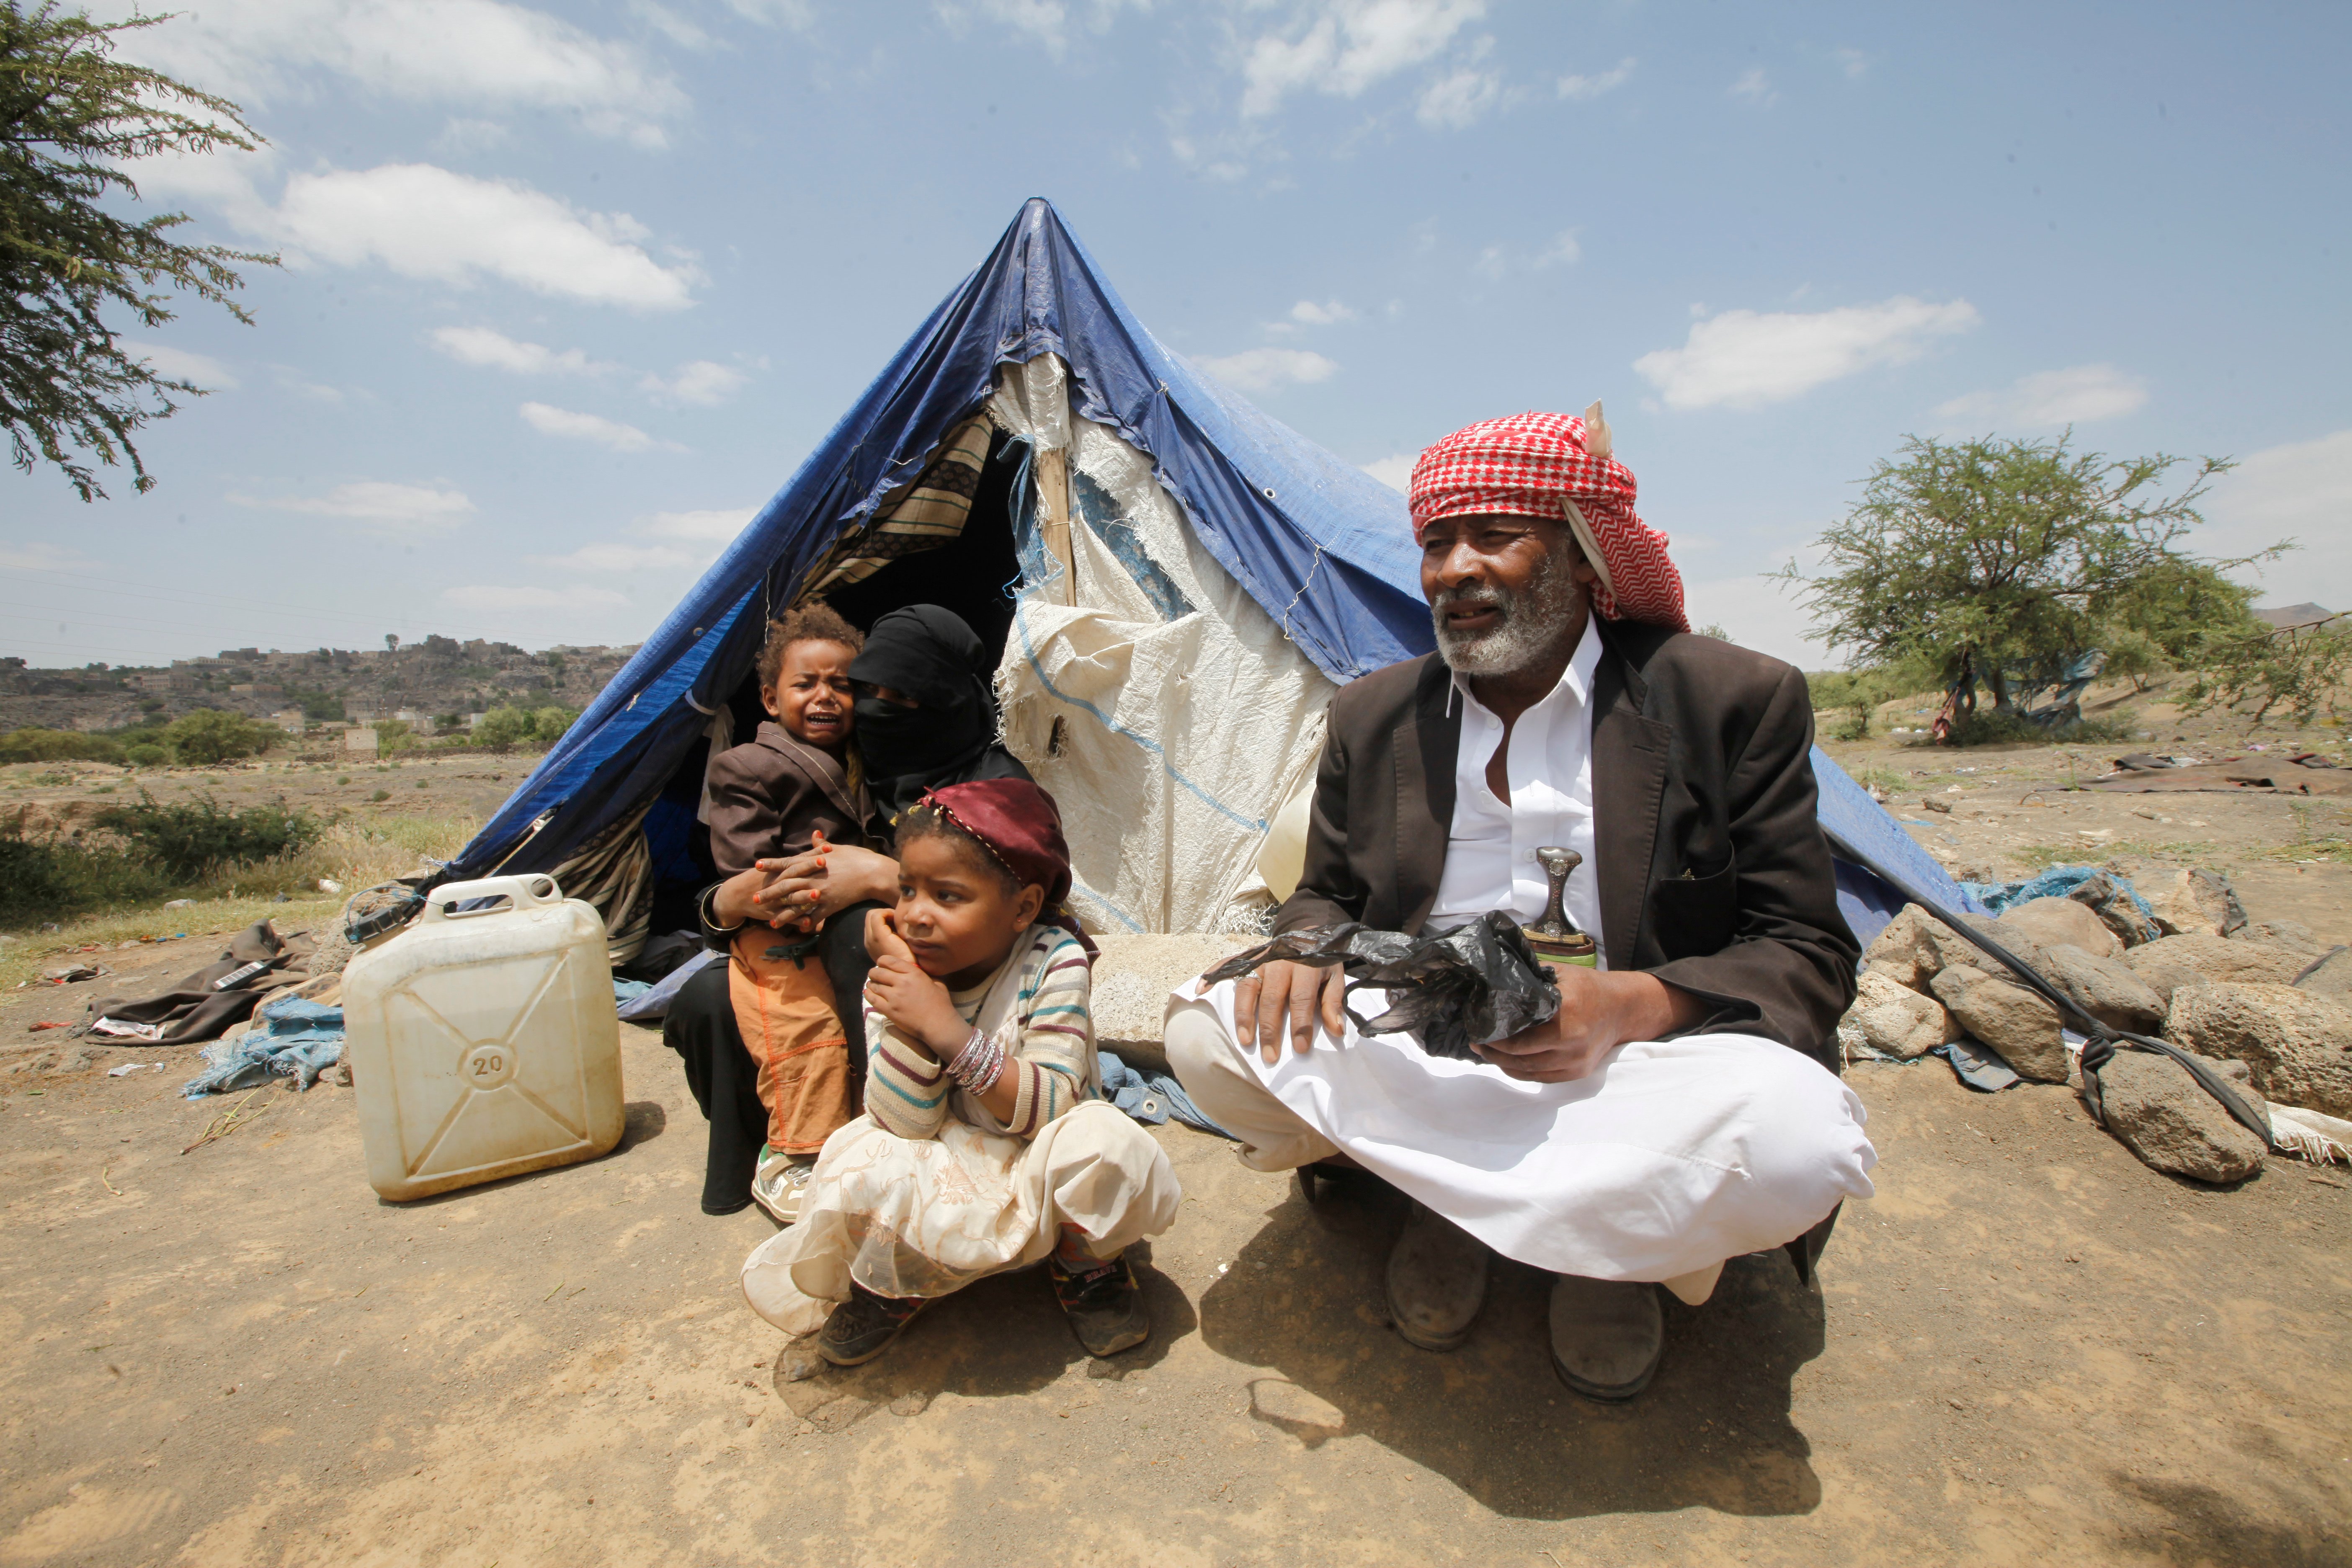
column 1667, row 1159
column 925, row 1216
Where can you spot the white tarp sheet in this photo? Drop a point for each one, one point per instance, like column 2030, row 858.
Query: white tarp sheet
column 1169, row 730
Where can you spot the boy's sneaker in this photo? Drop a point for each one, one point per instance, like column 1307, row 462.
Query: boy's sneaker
column 863, row 1327
column 1105, row 1306
column 779, row 1182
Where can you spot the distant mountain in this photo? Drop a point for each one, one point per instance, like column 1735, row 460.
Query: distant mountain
column 2291, row 615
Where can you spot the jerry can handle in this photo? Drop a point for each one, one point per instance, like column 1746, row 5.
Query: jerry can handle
column 536, row 888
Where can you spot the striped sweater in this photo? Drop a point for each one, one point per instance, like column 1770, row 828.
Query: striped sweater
column 1052, row 1061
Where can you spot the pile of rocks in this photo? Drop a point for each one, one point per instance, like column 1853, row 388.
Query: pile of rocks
column 2266, row 999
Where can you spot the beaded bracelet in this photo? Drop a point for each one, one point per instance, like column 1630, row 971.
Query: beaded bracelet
column 978, row 1064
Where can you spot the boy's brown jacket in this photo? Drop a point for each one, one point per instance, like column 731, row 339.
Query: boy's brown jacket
column 770, row 794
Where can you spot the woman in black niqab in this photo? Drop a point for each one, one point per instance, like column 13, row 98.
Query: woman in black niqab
column 926, row 718
column 937, row 725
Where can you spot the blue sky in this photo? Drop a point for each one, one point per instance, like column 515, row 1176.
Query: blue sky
column 569, row 290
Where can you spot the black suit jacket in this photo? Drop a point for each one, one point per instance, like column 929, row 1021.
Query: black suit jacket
column 1714, row 874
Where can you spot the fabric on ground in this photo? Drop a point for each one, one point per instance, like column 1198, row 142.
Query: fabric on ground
column 2056, row 882
column 194, row 1009
column 1169, row 741
column 291, row 1038
column 2323, row 1139
column 1150, row 1097
column 925, row 1216
column 649, row 1005
column 1669, row 1157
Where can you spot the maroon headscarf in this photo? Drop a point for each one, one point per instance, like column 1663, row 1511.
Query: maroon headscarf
column 1021, row 826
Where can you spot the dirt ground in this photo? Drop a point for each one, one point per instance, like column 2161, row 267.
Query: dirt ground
column 2027, row 1347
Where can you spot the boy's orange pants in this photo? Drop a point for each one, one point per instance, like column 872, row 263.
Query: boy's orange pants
column 784, row 1009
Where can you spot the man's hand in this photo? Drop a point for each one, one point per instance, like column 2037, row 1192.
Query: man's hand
column 1598, row 1013
column 1266, row 998
column 914, row 1002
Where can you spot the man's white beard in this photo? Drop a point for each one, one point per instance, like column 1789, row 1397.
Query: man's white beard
column 1527, row 630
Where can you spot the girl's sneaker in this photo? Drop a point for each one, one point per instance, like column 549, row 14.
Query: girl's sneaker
column 1105, row 1306
column 863, row 1327
column 780, row 1181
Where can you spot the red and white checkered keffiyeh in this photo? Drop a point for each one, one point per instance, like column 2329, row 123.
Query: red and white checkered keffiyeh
column 1542, row 465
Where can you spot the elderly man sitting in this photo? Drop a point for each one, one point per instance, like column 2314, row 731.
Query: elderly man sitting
column 1682, row 1108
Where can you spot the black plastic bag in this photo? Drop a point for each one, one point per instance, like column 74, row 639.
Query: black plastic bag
column 1475, row 984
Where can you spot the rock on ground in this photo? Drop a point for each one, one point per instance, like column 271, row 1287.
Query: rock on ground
column 2054, row 921
column 2012, row 1020
column 1897, row 1021
column 2164, row 1115
column 2293, row 935
column 2297, row 1045
column 2106, row 988
column 1135, row 974
column 1906, row 951
column 2331, row 976
column 2178, row 960
column 2105, row 897
column 2195, row 903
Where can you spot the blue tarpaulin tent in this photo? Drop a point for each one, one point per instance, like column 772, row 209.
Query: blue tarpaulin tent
column 1321, row 546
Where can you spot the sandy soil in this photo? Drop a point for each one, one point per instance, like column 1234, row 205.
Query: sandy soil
column 2028, row 1346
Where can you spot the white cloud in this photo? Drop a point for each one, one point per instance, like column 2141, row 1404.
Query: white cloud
column 1759, row 613
column 1498, row 262
column 698, row 381
column 532, row 596
column 479, row 54
column 1350, row 46
column 42, row 556
column 1395, row 472
column 2301, row 491
column 624, row 558
column 179, row 364
column 718, row 525
column 1754, row 90
column 1854, row 62
column 405, row 509
column 797, row 15
column 549, row 420
column 482, row 346
column 300, row 385
column 423, row 221
column 2051, row 397
column 1047, row 21
column 1745, row 359
column 1610, row 80
column 1264, row 370
column 1458, row 101
column 1329, row 314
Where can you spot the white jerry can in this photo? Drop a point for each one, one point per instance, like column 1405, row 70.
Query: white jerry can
column 483, row 1043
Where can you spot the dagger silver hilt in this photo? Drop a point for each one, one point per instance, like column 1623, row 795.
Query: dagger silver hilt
column 1557, row 861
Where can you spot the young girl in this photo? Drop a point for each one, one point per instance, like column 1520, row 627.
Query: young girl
column 985, row 1146
column 790, row 786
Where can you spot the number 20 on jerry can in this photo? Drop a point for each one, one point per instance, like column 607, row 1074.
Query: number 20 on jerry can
column 482, row 1039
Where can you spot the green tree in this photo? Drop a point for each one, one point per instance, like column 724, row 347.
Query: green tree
column 2002, row 562
column 502, row 728
column 209, row 735
column 549, row 724
column 70, row 116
